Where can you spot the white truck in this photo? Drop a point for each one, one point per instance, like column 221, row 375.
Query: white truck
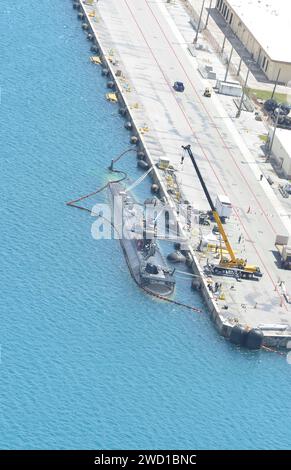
column 223, row 207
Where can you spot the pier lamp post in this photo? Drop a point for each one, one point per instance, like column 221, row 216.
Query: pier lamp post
column 239, row 67
column 208, row 13
column 228, row 64
column 276, row 83
column 223, row 44
column 199, row 23
column 243, row 95
column 226, row 32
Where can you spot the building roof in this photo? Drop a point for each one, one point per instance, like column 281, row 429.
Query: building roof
column 269, row 21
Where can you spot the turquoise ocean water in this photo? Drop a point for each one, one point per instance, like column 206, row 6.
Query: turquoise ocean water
column 87, row 360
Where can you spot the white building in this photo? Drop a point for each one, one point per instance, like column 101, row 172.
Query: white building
column 282, row 150
column 264, row 27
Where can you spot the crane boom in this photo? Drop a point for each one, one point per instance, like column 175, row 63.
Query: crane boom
column 208, row 197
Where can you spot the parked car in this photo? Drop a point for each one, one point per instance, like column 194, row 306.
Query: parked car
column 179, row 86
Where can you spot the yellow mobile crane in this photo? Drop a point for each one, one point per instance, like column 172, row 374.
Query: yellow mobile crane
column 233, row 266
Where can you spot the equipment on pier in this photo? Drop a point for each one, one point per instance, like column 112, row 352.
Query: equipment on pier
column 223, row 207
column 283, row 246
column 163, row 164
column 207, row 92
column 232, row 265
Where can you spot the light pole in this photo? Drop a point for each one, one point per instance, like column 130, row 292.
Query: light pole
column 239, row 67
column 199, row 23
column 228, row 64
column 209, row 8
column 276, row 83
column 274, row 132
column 223, row 44
column 225, row 32
column 243, row 95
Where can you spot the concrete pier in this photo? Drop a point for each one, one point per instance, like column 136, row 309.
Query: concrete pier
column 145, row 53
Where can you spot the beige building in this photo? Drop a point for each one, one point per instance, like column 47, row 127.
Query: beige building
column 263, row 26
